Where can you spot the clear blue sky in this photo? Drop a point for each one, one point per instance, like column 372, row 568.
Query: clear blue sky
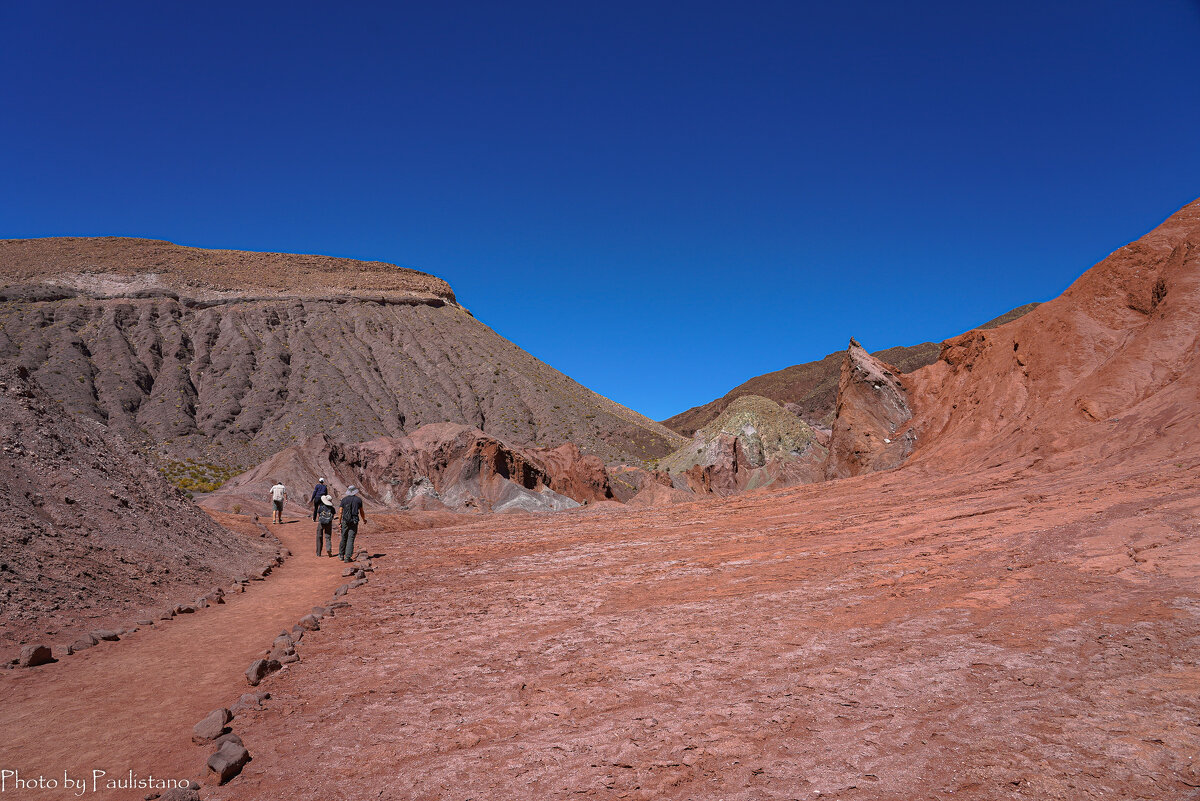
column 659, row 199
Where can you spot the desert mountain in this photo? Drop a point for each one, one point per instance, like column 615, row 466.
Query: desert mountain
column 753, row 443
column 439, row 467
column 226, row 357
column 87, row 525
column 1107, row 368
column 810, row 390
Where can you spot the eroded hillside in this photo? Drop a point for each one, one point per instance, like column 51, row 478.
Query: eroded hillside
column 228, row 373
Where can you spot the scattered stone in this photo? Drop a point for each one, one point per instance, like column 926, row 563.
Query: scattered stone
column 357, row 583
column 249, row 701
column 146, row 622
column 227, row 738
column 260, row 669
column 360, row 573
column 59, row 651
column 180, row 794
column 342, row 590
column 280, row 652
column 84, row 641
column 297, row 633
column 201, row 603
column 310, row 623
column 228, row 761
column 167, row 614
column 212, row 727
column 34, row 655
column 348, row 572
column 184, row 609
column 106, row 635
column 320, row 612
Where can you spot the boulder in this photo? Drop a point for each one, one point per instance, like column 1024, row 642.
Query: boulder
column 228, row 761
column 34, row 655
column 180, row 794
column 212, row 727
column 227, row 738
column 106, row 635
column 260, row 669
column 84, row 641
column 249, row 701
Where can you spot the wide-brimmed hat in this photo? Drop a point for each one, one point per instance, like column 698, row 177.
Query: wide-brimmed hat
column 351, row 490
column 327, row 500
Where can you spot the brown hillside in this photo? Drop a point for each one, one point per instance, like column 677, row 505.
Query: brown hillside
column 88, row 529
column 810, row 390
column 229, row 376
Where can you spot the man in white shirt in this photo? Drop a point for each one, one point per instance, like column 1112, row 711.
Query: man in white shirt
column 278, row 496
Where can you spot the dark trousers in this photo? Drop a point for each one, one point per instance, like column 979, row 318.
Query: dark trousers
column 346, row 548
column 325, row 529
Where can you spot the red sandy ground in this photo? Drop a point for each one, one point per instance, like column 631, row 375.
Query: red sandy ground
column 1010, row 634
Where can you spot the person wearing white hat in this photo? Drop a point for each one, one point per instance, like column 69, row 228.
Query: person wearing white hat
column 352, row 513
column 325, row 514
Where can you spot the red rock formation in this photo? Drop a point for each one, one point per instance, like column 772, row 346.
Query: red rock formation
column 1109, row 365
column 869, row 430
column 438, row 466
column 627, row 481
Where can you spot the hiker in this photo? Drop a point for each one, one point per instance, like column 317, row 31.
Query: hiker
column 325, row 514
column 317, row 493
column 352, row 514
column 278, row 496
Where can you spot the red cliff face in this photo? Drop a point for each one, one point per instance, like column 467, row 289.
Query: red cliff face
column 870, row 430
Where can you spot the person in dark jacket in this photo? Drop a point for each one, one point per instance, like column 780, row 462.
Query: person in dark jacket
column 318, row 492
column 352, row 515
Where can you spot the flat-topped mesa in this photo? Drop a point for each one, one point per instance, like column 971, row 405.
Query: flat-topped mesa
column 115, row 267
column 869, row 432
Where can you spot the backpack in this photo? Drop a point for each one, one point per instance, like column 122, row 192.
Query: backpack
column 325, row 514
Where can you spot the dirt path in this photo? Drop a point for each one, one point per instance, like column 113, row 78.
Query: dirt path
column 131, row 705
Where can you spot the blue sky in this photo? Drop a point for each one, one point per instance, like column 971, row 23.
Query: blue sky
column 659, row 199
